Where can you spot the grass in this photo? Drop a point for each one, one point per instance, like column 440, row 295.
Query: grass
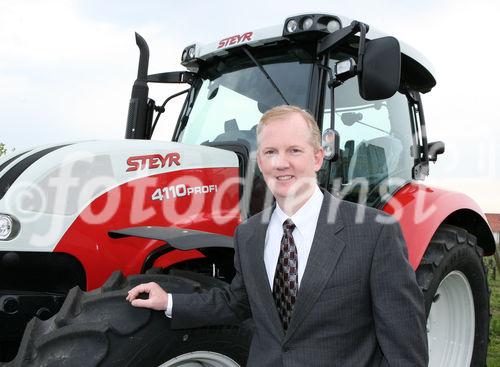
column 494, row 347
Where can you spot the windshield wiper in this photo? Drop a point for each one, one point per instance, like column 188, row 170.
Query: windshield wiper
column 268, row 77
column 161, row 109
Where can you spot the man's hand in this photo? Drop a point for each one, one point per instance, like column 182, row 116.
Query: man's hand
column 157, row 297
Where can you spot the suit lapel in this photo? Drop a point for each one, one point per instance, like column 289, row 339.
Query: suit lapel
column 323, row 257
column 266, row 300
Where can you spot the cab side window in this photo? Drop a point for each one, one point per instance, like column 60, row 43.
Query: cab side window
column 375, row 141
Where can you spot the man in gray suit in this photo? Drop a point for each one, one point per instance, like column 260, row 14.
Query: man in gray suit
column 323, row 287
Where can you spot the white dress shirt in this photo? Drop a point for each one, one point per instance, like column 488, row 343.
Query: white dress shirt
column 305, row 220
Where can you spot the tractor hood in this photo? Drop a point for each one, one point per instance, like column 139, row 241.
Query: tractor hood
column 62, row 180
column 36, row 179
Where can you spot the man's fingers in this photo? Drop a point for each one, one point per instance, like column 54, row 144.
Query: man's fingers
column 146, row 303
column 141, row 288
column 156, row 297
column 134, row 292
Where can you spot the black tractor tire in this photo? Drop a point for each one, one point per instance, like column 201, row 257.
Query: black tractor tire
column 453, row 249
column 100, row 328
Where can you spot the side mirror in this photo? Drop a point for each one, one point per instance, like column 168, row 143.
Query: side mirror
column 380, row 69
column 331, row 144
column 434, row 149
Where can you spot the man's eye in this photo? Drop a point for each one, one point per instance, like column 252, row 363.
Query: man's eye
column 296, row 151
column 269, row 152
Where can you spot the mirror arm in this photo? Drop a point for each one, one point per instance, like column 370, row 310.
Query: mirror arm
column 172, row 77
column 363, row 28
column 334, row 38
column 332, row 83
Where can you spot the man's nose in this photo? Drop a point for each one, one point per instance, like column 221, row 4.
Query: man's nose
column 281, row 161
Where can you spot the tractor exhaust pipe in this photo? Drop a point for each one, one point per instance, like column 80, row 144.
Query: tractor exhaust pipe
column 139, row 111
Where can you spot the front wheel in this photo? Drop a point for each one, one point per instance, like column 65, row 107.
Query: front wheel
column 453, row 279
column 100, row 328
column 201, row 358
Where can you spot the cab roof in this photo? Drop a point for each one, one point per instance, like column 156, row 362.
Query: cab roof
column 417, row 71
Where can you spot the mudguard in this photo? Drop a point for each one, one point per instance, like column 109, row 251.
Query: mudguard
column 181, row 239
column 421, row 209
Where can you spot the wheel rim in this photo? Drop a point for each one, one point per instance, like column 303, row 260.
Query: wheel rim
column 201, row 359
column 451, row 322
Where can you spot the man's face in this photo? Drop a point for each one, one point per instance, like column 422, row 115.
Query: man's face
column 287, row 158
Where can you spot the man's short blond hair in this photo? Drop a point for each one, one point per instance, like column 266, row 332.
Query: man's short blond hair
column 280, row 112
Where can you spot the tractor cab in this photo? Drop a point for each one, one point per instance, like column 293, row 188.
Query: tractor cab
column 322, row 63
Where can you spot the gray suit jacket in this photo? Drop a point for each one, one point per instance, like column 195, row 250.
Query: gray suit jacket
column 358, row 302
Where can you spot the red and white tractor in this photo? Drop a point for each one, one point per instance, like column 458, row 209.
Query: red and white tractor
column 73, row 214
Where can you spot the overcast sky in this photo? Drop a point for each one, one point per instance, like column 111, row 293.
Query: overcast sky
column 67, row 67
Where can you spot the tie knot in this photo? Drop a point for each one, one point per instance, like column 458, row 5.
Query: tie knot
column 288, row 226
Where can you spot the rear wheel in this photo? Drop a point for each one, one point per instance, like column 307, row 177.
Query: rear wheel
column 100, row 328
column 453, row 279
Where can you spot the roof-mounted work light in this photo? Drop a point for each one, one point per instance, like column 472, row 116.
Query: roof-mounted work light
column 292, row 25
column 311, row 22
column 188, row 54
column 307, row 23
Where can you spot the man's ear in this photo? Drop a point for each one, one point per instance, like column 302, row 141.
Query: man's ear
column 318, row 159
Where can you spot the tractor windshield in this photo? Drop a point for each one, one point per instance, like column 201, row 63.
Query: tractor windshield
column 229, row 104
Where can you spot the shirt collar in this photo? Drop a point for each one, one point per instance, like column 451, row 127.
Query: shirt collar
column 302, row 217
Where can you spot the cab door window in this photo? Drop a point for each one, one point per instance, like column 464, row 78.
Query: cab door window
column 375, row 141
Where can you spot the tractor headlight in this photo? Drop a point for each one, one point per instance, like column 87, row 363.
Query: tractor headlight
column 9, row 227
